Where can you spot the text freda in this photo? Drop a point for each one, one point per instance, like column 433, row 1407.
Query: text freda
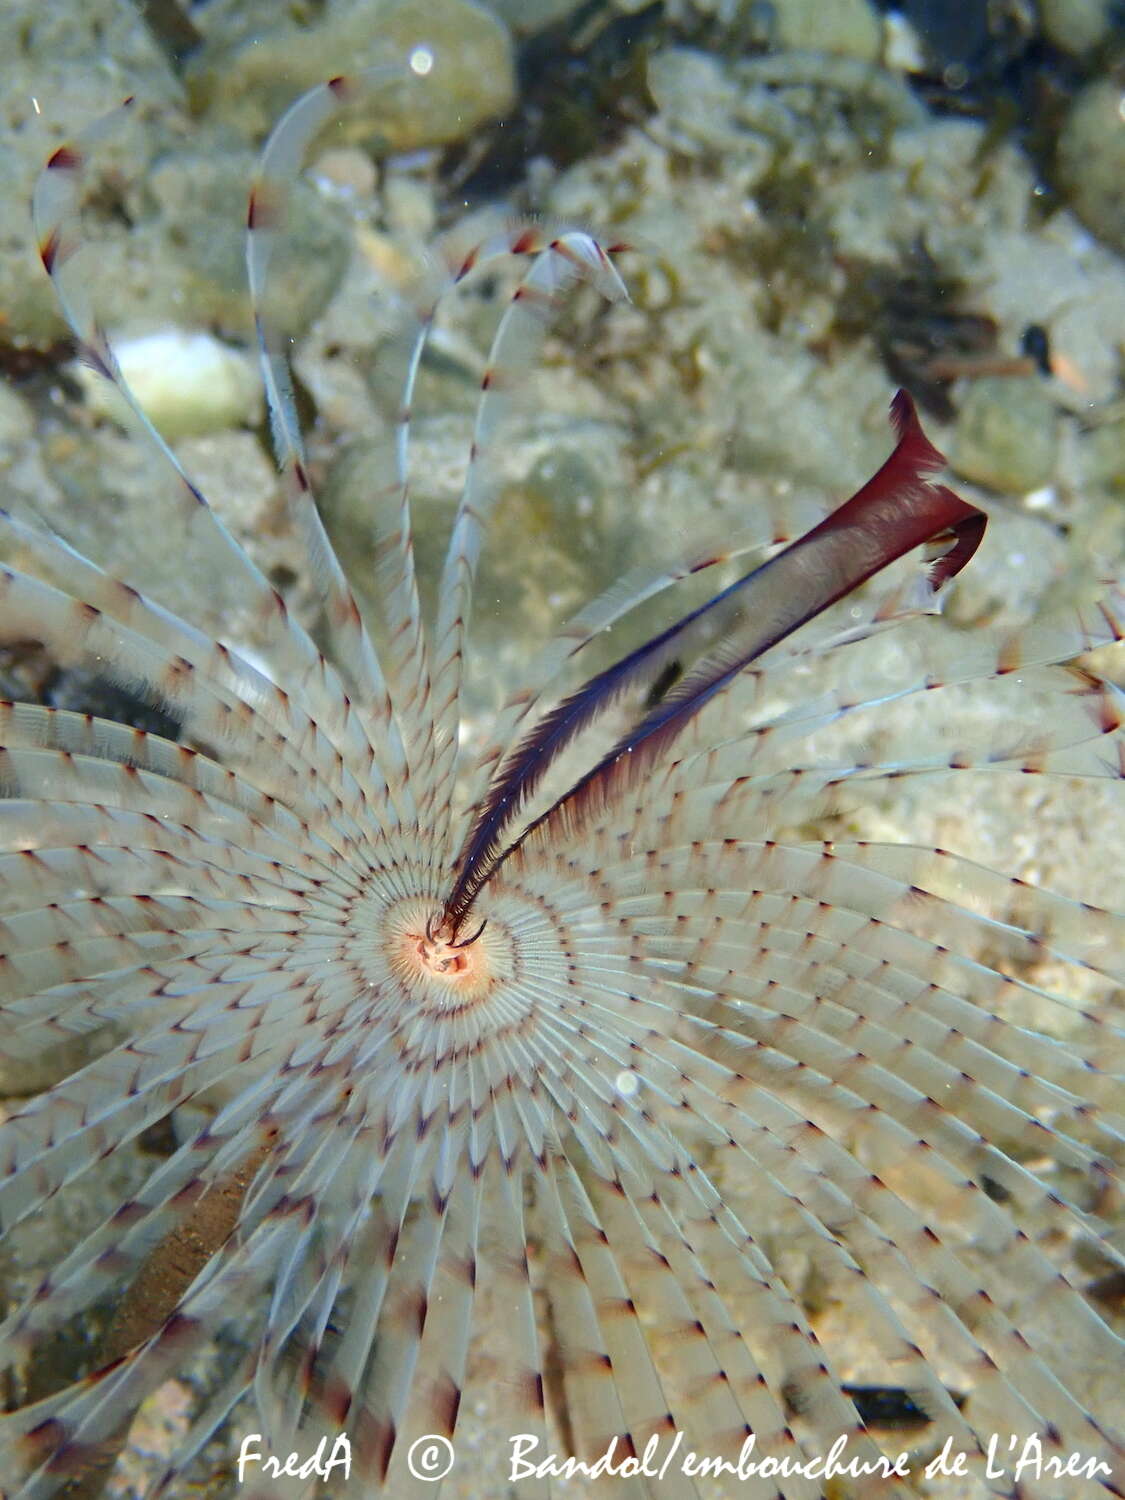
column 320, row 1463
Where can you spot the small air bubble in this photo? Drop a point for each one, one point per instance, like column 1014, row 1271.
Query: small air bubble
column 421, row 61
column 955, row 76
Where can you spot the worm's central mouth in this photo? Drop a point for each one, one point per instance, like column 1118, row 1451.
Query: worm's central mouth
column 428, row 958
column 440, row 954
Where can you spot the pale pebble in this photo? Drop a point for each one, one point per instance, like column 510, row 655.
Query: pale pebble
column 187, row 382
